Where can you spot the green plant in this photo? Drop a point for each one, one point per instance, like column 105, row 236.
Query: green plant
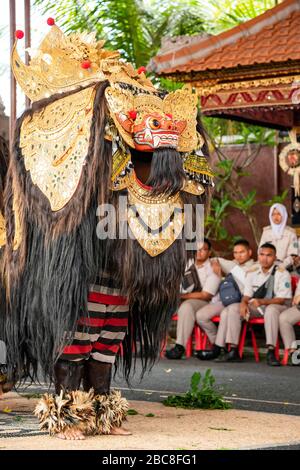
column 225, row 14
column 18, row 418
column 229, row 173
column 132, row 412
column 202, row 394
column 133, row 27
column 229, row 194
column 278, row 198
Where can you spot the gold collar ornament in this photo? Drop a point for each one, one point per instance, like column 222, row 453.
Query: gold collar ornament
column 156, row 222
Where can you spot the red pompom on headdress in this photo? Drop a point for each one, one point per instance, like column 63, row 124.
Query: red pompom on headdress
column 19, row 34
column 141, row 70
column 132, row 114
column 86, row 64
column 50, row 21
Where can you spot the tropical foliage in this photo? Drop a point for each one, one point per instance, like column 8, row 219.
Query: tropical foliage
column 130, row 26
column 136, row 28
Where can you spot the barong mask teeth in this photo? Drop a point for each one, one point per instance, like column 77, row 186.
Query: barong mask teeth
column 154, row 131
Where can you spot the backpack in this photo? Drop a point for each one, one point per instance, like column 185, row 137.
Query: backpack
column 229, row 291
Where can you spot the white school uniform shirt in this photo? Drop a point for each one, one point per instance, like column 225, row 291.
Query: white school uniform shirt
column 256, row 278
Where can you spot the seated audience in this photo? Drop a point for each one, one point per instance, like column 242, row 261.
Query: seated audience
column 267, row 294
column 287, row 320
column 193, row 301
column 237, row 267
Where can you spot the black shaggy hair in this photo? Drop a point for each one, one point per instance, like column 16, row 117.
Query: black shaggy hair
column 48, row 276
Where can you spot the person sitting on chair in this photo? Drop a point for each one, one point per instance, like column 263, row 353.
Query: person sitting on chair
column 209, row 283
column 267, row 294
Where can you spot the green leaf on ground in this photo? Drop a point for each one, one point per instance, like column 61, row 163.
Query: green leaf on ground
column 132, row 412
column 202, row 394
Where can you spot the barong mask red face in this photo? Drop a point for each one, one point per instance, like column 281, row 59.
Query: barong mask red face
column 153, row 131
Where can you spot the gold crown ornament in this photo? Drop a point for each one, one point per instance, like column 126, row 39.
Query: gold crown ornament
column 64, row 63
column 54, row 139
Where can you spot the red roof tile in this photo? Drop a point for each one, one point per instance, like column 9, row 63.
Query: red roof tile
column 270, row 37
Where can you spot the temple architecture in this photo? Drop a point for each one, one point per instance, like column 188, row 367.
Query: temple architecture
column 245, row 73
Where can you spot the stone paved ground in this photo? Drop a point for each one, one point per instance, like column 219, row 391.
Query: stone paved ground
column 163, row 428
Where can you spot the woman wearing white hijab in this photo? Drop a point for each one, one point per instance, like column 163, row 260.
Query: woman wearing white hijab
column 283, row 237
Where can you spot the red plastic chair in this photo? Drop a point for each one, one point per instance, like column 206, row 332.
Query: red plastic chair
column 248, row 325
column 201, row 338
column 295, row 280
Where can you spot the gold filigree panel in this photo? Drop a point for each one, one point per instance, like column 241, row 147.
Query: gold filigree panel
column 54, row 144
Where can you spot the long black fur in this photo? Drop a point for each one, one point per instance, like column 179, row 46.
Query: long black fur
column 49, row 275
column 166, row 175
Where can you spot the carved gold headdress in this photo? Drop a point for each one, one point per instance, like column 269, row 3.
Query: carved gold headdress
column 64, row 63
column 55, row 139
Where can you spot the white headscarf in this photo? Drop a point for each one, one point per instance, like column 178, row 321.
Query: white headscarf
column 278, row 229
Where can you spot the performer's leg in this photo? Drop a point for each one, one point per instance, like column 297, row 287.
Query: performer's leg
column 97, row 376
column 67, row 377
column 74, row 413
column 111, row 409
column 70, row 413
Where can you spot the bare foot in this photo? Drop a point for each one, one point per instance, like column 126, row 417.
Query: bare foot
column 120, row 432
column 71, row 434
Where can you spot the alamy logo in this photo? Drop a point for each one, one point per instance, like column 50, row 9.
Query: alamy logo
column 296, row 354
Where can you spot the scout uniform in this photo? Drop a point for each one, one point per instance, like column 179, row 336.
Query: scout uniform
column 282, row 289
column 187, row 311
column 287, row 319
column 286, row 246
column 206, row 313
